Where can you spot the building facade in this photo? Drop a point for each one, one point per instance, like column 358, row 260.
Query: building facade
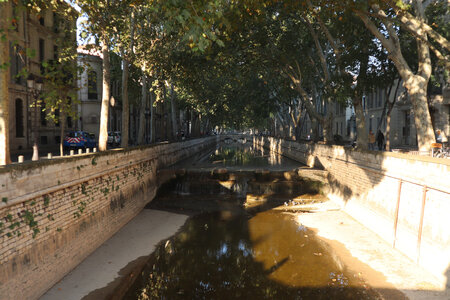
column 32, row 42
column 402, row 126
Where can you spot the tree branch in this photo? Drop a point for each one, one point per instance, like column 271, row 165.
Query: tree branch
column 393, row 50
column 327, row 32
column 414, row 25
column 319, row 51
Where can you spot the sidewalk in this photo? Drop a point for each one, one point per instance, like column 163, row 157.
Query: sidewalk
column 102, row 271
column 366, row 253
column 28, row 153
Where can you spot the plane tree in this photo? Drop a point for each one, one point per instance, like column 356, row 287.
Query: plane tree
column 383, row 19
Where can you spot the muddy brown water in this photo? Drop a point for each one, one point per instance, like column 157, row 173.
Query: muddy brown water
column 232, row 254
column 225, row 251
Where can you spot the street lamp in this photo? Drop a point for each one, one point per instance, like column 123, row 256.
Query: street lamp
column 35, row 87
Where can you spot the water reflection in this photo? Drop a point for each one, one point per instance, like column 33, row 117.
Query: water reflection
column 244, row 155
column 266, row 256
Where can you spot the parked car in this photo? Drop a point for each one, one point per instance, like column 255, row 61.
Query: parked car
column 114, row 138
column 110, row 138
column 80, row 139
column 117, row 137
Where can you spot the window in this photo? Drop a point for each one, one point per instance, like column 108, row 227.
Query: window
column 41, row 54
column 55, row 23
column 92, row 85
column 17, row 64
column 44, row 140
column 69, row 122
column 342, row 128
column 42, row 20
column 380, row 98
column 19, row 118
column 14, row 22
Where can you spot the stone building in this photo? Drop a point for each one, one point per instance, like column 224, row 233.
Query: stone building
column 402, row 127
column 90, row 92
column 32, row 42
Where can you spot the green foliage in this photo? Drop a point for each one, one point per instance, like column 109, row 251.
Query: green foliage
column 46, row 200
column 228, row 61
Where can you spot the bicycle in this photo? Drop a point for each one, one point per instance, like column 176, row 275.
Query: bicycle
column 440, row 151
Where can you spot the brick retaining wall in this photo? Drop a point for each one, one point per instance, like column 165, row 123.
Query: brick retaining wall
column 367, row 184
column 54, row 213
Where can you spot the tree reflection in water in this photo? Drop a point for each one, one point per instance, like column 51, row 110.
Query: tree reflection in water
column 232, row 255
column 244, row 155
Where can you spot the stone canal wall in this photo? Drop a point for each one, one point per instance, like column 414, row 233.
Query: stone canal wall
column 54, row 213
column 403, row 198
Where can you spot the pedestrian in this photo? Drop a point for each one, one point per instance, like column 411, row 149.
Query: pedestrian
column 380, row 140
column 371, row 140
column 438, row 137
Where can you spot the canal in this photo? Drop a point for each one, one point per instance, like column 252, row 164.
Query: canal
column 237, row 222
column 243, row 240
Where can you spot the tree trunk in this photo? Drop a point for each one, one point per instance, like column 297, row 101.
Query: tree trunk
column 194, row 124
column 361, row 131
column 152, row 120
column 315, row 129
column 132, row 126
column 5, row 157
column 125, row 100
column 103, row 136
column 142, row 111
column 388, row 131
column 173, row 113
column 62, row 126
column 125, row 103
column 417, row 91
column 327, row 127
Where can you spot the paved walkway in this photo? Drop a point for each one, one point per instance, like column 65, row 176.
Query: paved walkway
column 98, row 274
column 383, row 267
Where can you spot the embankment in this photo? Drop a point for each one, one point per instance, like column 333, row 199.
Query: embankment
column 54, row 213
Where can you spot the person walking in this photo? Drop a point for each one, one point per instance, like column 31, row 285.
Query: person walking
column 439, row 137
column 380, row 140
column 371, row 140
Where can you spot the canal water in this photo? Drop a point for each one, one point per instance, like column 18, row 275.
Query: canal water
column 229, row 251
